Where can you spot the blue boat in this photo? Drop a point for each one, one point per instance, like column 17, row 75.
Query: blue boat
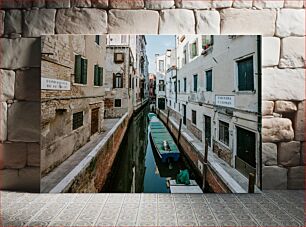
column 162, row 140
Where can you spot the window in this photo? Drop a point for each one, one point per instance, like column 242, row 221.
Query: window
column 80, row 70
column 170, row 102
column 185, row 84
column 117, row 102
column 175, row 87
column 209, row 80
column 179, row 86
column 246, row 75
column 223, row 132
column 193, row 49
column 195, row 83
column 98, row 76
column 161, row 65
column 119, row 57
column 117, row 80
column 184, row 60
column 161, row 86
column 194, row 117
column 207, row 41
column 97, row 39
column 77, row 120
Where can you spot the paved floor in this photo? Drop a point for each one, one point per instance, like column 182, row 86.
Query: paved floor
column 271, row 208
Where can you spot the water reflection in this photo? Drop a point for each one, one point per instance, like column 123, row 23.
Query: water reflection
column 138, row 167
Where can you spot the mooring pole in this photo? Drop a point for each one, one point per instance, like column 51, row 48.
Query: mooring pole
column 205, row 165
column 251, row 183
column 168, row 116
column 179, row 131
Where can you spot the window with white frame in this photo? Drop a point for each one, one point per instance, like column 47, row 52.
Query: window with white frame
column 224, row 132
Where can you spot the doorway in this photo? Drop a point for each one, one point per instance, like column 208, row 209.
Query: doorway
column 184, row 114
column 246, row 151
column 94, row 120
column 207, row 130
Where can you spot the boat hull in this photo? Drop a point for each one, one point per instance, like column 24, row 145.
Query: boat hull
column 166, row 156
column 158, row 134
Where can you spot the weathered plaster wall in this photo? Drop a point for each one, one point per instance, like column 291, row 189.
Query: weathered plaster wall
column 281, row 22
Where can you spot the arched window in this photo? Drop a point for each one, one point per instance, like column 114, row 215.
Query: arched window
column 117, row 80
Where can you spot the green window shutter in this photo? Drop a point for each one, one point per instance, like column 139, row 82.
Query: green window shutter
column 246, row 75
column 84, row 71
column 121, row 85
column 114, row 80
column 195, row 83
column 100, row 76
column 194, row 49
column 77, row 69
column 250, row 75
column 209, row 80
column 96, row 75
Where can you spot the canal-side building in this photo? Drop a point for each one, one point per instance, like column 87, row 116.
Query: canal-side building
column 152, row 88
column 142, row 74
column 119, row 71
column 170, row 78
column 162, row 63
column 72, row 95
column 132, row 68
column 217, row 96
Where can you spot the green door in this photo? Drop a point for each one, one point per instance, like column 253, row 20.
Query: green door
column 161, row 103
column 207, row 121
column 246, row 146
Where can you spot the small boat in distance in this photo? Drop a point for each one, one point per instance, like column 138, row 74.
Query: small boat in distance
column 162, row 140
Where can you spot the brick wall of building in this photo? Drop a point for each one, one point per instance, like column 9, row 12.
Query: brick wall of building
column 282, row 23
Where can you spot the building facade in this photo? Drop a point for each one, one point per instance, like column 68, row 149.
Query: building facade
column 134, row 67
column 152, row 88
column 217, row 96
column 162, row 63
column 72, row 96
column 119, row 71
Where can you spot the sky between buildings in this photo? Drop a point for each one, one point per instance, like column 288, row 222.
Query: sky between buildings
column 158, row 44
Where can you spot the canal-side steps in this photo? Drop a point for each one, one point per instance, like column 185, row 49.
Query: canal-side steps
column 219, row 170
column 162, row 140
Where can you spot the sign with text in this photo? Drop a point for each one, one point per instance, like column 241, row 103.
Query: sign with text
column 225, row 100
column 54, row 84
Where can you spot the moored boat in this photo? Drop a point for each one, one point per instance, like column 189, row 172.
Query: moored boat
column 162, row 140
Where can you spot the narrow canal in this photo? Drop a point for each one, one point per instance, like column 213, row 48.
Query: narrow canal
column 137, row 167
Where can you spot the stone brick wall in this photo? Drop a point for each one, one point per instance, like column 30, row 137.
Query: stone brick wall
column 282, row 23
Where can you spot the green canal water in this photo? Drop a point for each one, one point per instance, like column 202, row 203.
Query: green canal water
column 137, row 167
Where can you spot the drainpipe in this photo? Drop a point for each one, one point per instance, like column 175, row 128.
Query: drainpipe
column 259, row 117
column 176, row 70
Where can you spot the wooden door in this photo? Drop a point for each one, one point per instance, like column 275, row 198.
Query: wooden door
column 94, row 120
